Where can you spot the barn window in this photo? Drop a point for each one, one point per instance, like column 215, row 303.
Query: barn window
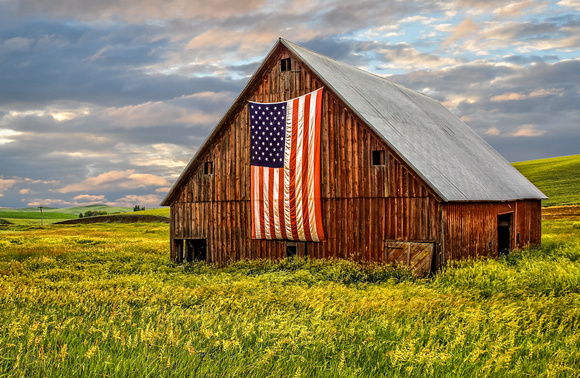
column 285, row 65
column 208, row 168
column 379, row 157
column 290, row 251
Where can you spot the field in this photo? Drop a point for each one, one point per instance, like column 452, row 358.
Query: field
column 105, row 300
column 31, row 215
column 558, row 178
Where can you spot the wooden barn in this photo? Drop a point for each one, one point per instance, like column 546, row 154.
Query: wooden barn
column 402, row 180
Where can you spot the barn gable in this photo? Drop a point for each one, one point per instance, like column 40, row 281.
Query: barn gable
column 450, row 157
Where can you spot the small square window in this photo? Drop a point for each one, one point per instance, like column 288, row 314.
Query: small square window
column 290, row 251
column 208, row 168
column 379, row 157
column 285, row 65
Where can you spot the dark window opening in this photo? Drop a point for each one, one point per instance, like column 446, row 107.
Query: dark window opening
column 518, row 240
column 504, row 222
column 379, row 157
column 195, row 250
column 285, row 65
column 208, row 168
column 291, row 251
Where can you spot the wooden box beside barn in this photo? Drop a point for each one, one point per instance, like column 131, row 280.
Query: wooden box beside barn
column 402, row 179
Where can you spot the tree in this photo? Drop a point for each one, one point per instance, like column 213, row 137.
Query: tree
column 80, row 215
column 136, row 208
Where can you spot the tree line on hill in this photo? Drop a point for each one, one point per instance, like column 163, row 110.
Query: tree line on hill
column 94, row 213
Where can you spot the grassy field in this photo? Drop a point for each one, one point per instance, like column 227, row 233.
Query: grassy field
column 105, row 300
column 31, row 215
column 558, row 178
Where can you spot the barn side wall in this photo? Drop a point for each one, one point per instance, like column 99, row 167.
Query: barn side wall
column 471, row 229
column 363, row 205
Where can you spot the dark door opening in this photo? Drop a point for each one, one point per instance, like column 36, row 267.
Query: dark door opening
column 504, row 226
column 296, row 249
column 195, row 250
column 290, row 251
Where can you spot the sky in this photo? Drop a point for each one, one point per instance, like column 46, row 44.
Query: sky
column 107, row 101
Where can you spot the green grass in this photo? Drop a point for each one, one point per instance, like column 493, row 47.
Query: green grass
column 31, row 215
column 104, row 299
column 164, row 211
column 558, row 178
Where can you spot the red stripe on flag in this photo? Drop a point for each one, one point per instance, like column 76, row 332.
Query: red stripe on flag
column 295, row 105
column 253, row 199
column 261, row 199
column 281, row 203
column 271, row 202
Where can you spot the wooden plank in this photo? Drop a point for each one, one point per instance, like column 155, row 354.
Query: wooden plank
column 348, row 155
column 325, row 149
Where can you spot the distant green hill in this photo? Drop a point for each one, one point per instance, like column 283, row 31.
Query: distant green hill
column 31, row 215
column 558, row 178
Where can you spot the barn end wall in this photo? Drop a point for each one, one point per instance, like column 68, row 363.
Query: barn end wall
column 471, row 229
column 363, row 204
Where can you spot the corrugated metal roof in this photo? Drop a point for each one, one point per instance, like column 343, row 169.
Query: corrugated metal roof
column 457, row 163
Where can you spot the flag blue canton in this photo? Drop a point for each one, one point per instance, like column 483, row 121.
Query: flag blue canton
column 268, row 134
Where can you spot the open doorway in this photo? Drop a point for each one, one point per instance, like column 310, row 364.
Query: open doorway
column 504, row 232
column 296, row 249
column 195, row 250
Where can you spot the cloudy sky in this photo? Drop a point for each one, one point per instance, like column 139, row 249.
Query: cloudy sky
column 106, row 101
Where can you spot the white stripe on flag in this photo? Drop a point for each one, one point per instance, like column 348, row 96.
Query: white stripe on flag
column 287, row 152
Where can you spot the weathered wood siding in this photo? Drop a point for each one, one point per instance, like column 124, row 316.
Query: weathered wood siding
column 363, row 205
column 470, row 229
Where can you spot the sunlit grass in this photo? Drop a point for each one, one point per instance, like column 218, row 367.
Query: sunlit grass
column 104, row 299
column 558, row 178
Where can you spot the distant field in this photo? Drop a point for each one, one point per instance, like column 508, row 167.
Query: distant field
column 161, row 212
column 558, row 178
column 31, row 215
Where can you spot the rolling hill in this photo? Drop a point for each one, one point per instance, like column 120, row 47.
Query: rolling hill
column 558, row 178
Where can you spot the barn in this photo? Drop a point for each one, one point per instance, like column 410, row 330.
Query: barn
column 401, row 179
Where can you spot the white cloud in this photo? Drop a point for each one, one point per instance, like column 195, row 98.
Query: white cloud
column 524, row 96
column 574, row 4
column 148, row 200
column 492, row 131
column 115, row 180
column 177, row 110
column 527, row 131
column 6, row 184
column 5, row 135
column 89, row 198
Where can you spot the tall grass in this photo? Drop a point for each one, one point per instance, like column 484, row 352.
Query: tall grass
column 98, row 300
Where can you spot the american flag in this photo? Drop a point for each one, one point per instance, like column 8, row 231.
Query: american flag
column 285, row 165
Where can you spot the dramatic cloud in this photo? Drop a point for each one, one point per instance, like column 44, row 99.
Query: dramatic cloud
column 108, row 101
column 113, row 180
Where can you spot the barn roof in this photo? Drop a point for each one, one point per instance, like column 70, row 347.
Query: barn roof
column 457, row 163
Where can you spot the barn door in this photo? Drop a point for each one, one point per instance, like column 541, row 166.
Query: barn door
column 417, row 255
column 504, row 233
column 296, row 249
column 195, row 250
